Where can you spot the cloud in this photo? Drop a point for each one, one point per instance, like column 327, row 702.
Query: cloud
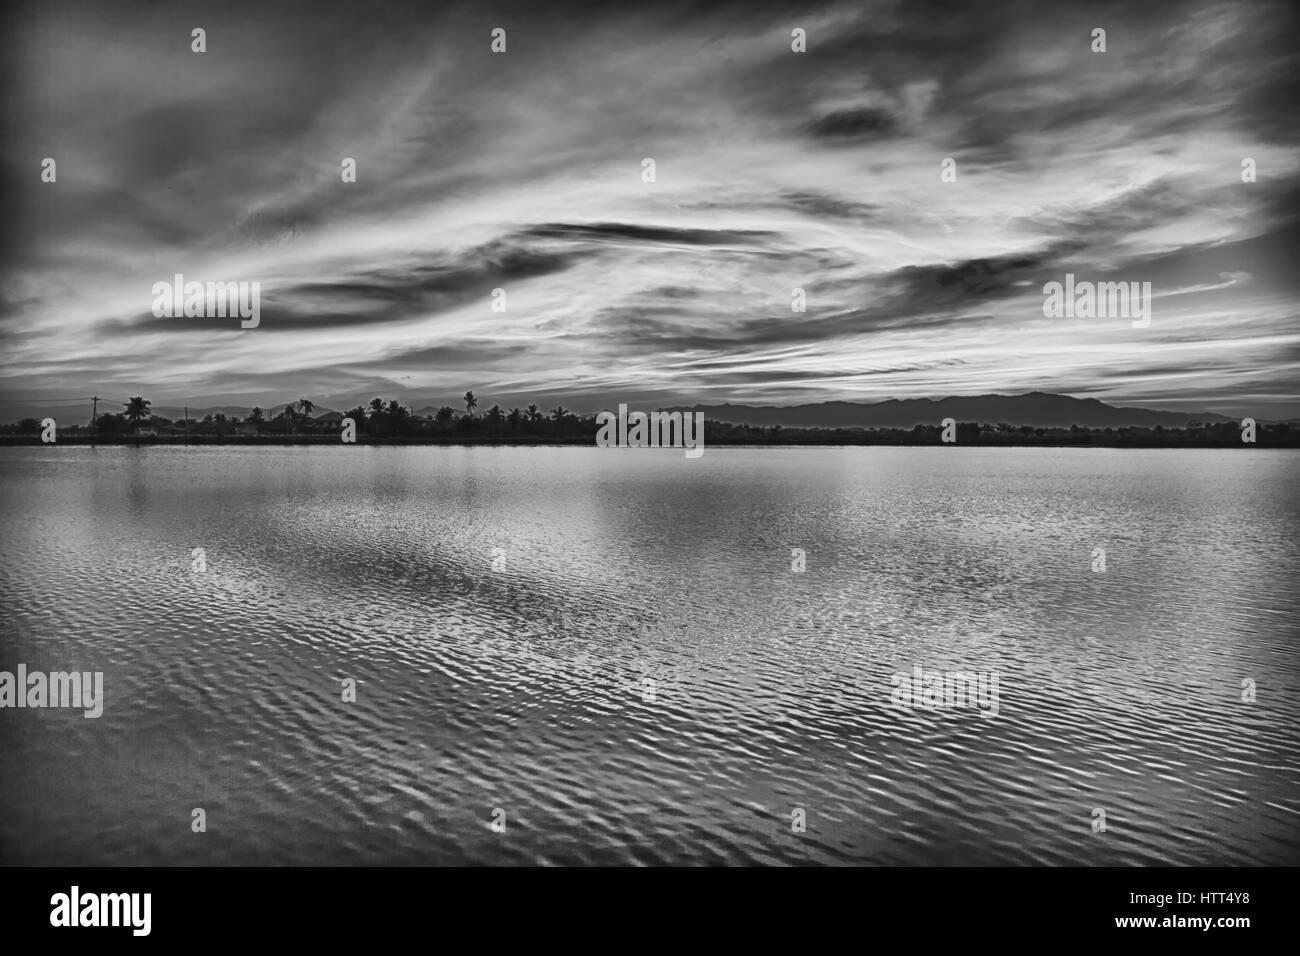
column 776, row 171
column 853, row 123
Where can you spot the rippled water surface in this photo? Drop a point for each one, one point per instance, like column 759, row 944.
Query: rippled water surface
column 642, row 678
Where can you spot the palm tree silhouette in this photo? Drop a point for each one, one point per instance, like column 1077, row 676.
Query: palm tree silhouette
column 557, row 415
column 534, row 414
column 471, row 402
column 137, row 409
column 305, row 404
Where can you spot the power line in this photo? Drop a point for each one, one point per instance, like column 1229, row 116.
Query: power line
column 50, row 401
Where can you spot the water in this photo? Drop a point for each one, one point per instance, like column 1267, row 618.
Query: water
column 643, row 679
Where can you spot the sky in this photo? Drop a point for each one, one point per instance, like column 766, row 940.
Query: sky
column 774, row 171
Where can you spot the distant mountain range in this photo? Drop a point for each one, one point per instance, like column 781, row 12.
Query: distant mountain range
column 1039, row 409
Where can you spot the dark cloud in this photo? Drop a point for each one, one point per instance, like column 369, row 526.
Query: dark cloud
column 381, row 296
column 628, row 232
column 832, row 207
column 853, row 124
column 970, row 282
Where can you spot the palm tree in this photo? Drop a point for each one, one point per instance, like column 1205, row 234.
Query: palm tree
column 444, row 416
column 305, row 405
column 137, row 409
column 376, row 405
column 515, row 419
column 557, row 415
column 534, row 414
column 288, row 417
column 471, row 402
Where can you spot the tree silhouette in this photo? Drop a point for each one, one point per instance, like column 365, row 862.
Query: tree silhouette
column 256, row 417
column 558, row 414
column 107, row 426
column 398, row 415
column 471, row 402
column 137, row 409
column 306, row 405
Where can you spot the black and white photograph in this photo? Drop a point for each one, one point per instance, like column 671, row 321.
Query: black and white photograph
column 556, row 434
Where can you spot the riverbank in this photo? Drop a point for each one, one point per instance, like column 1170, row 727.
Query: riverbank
column 1291, row 440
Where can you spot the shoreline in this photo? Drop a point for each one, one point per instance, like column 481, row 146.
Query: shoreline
column 837, row 442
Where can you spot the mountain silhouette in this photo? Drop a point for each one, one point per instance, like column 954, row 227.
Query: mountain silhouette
column 1039, row 409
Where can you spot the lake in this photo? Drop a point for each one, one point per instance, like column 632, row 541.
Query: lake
column 565, row 655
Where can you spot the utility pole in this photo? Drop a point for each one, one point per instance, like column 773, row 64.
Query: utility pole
column 187, row 422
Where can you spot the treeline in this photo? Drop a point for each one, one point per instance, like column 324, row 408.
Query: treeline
column 380, row 419
column 390, row 421
column 1196, row 434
